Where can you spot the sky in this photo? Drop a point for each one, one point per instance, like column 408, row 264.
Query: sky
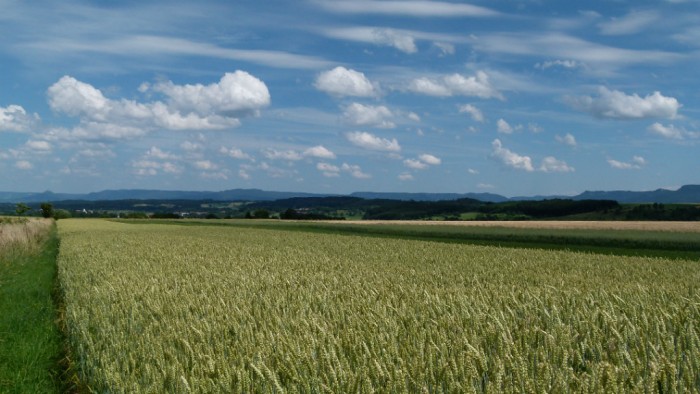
column 336, row 96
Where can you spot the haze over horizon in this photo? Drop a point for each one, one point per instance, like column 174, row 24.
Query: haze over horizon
column 506, row 97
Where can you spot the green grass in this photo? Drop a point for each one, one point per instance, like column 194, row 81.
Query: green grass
column 674, row 245
column 30, row 341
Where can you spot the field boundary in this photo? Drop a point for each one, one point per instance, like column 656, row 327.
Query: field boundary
column 33, row 349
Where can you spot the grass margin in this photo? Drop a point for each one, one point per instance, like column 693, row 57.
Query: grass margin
column 32, row 345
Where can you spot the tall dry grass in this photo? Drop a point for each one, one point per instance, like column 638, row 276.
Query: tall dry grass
column 19, row 235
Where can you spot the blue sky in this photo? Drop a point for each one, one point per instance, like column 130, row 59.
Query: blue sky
column 509, row 97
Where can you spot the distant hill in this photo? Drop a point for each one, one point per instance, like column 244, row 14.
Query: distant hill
column 138, row 194
column 687, row 194
column 486, row 197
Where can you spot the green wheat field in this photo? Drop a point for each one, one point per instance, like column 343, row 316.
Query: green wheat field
column 171, row 308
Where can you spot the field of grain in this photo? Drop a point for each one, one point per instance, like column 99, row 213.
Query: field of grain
column 163, row 308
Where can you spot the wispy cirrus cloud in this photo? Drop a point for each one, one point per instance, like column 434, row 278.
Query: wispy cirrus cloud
column 557, row 45
column 415, row 8
column 153, row 45
column 402, row 39
column 630, row 23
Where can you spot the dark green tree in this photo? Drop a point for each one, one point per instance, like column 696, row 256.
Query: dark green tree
column 261, row 214
column 21, row 208
column 47, row 210
column 61, row 214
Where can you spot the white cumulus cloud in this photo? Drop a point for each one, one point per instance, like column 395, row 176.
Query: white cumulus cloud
column 328, row 170
column 414, row 116
column 236, row 94
column 509, row 158
column 405, row 176
column 14, row 118
column 234, row 153
column 672, row 132
column 188, row 107
column 567, row 139
column 343, row 82
column 567, row 64
column 369, row 141
column 473, row 111
column 367, row 115
column 636, row 164
column 456, row 85
column 445, row 48
column 205, row 165
column 355, row 171
column 320, row 152
column 415, row 164
column 291, row 155
column 618, row 105
column 158, row 153
column 400, row 40
column 42, row 146
column 243, row 174
column 552, row 164
column 430, row 159
column 504, row 127
column 23, row 165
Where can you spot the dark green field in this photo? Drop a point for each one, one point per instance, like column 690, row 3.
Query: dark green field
column 668, row 244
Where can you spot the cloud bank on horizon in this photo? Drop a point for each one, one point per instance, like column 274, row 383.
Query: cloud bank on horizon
column 339, row 96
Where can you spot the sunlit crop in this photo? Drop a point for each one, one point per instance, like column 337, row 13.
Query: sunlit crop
column 163, row 308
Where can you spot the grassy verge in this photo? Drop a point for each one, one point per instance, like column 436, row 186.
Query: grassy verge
column 30, row 341
column 675, row 245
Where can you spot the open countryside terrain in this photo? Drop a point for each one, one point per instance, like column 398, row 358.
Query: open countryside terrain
column 233, row 308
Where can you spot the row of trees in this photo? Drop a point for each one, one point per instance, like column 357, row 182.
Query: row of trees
column 47, row 211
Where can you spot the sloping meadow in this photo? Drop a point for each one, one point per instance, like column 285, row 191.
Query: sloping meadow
column 155, row 308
